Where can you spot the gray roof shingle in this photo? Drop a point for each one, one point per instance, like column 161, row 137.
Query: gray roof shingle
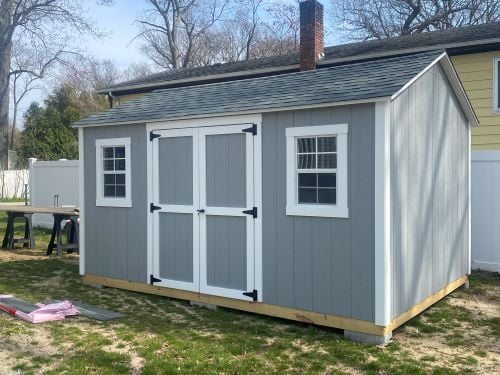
column 353, row 81
column 478, row 34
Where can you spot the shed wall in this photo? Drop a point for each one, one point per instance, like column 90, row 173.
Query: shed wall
column 116, row 237
column 429, row 188
column 320, row 264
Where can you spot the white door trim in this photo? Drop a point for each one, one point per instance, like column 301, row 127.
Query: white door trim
column 227, row 211
column 248, row 119
column 172, row 208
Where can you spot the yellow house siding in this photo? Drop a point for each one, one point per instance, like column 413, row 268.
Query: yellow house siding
column 125, row 98
column 476, row 73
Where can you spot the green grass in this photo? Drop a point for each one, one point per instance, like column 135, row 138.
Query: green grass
column 165, row 336
column 9, row 200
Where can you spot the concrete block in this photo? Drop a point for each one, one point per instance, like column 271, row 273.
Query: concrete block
column 367, row 338
column 208, row 306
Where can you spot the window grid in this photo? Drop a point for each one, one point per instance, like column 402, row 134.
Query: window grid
column 114, row 171
column 312, row 159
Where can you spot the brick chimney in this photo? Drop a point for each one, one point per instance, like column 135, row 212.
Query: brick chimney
column 311, row 34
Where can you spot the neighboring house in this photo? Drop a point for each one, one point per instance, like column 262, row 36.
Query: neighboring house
column 334, row 193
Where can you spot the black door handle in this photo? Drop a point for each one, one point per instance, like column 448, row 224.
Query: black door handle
column 201, row 211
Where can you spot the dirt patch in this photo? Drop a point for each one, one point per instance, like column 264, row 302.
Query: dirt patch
column 469, row 344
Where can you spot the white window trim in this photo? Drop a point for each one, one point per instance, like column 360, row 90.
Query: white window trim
column 293, row 208
column 100, row 199
column 496, row 107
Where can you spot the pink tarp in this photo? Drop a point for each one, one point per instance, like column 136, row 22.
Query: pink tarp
column 46, row 313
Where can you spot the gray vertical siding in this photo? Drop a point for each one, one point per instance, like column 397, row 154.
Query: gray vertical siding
column 227, row 252
column 226, row 173
column 429, row 186
column 176, row 170
column 320, row 264
column 176, row 246
column 115, row 237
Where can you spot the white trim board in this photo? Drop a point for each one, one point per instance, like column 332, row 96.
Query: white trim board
column 495, row 106
column 383, row 289
column 81, row 171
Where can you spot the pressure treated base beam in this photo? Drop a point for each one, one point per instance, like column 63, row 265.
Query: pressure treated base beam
column 254, row 307
column 355, row 329
column 426, row 303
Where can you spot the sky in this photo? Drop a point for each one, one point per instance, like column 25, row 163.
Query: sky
column 119, row 45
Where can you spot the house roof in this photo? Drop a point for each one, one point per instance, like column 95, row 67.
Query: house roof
column 453, row 40
column 341, row 83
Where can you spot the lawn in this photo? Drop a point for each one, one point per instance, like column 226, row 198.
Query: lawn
column 460, row 334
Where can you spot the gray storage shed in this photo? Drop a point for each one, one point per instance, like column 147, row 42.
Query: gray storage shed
column 337, row 196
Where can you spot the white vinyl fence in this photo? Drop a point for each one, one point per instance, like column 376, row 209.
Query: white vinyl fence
column 485, row 190
column 12, row 183
column 52, row 183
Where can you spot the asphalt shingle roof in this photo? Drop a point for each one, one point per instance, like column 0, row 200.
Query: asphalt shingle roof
column 398, row 45
column 353, row 81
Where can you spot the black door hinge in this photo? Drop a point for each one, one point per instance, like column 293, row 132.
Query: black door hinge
column 252, row 295
column 153, row 279
column 153, row 136
column 252, row 212
column 252, row 129
column 153, row 208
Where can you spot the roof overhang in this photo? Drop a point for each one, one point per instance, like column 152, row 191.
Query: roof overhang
column 248, row 112
column 444, row 61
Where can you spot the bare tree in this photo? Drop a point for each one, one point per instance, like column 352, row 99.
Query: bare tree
column 378, row 19
column 83, row 78
column 136, row 70
column 171, row 29
column 45, row 26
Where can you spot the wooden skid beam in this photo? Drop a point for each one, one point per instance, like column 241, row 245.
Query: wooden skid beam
column 426, row 303
column 333, row 321
column 254, row 307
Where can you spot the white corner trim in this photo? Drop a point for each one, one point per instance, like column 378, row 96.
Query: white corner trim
column 414, row 79
column 101, row 201
column 341, row 209
column 81, row 203
column 469, row 206
column 383, row 300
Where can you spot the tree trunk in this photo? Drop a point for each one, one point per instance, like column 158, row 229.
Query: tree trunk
column 5, row 56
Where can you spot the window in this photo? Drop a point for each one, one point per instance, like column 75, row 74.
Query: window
column 113, row 172
column 496, row 85
column 317, row 171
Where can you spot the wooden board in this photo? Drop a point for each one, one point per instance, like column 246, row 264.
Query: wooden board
column 254, row 307
column 333, row 321
column 41, row 209
column 426, row 303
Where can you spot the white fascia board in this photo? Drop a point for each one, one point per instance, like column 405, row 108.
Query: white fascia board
column 459, row 91
column 383, row 287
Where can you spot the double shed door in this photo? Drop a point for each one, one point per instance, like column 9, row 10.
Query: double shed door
column 203, row 225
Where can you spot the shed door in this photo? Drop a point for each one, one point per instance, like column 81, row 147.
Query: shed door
column 203, row 223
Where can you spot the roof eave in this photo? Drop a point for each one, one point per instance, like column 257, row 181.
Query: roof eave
column 245, row 112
